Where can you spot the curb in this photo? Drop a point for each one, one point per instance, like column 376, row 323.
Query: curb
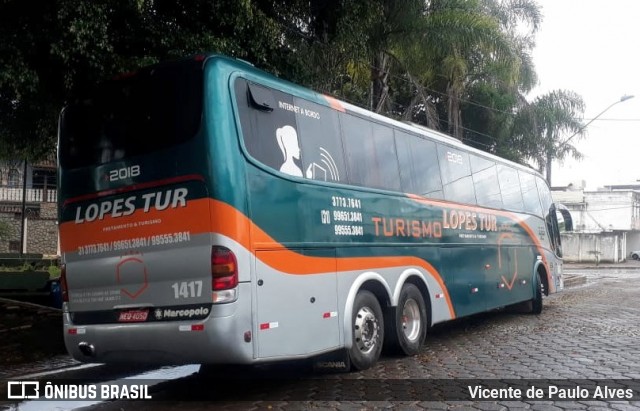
column 600, row 267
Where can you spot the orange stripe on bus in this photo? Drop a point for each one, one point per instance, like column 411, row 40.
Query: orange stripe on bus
column 229, row 222
column 335, row 103
column 140, row 224
column 511, row 216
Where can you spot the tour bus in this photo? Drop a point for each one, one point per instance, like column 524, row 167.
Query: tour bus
column 213, row 213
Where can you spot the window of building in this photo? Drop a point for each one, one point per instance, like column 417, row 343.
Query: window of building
column 44, row 178
column 14, row 246
column 13, row 178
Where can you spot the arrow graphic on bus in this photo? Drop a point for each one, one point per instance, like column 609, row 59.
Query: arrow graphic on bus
column 509, row 284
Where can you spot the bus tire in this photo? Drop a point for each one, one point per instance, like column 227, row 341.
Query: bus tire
column 536, row 302
column 367, row 331
column 408, row 329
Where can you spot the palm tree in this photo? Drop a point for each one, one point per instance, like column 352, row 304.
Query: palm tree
column 540, row 128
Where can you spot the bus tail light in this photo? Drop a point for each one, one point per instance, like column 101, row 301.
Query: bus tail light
column 63, row 283
column 224, row 275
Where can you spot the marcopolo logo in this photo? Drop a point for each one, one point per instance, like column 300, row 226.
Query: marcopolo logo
column 181, row 313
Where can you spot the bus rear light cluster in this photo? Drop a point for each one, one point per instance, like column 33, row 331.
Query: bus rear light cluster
column 224, row 275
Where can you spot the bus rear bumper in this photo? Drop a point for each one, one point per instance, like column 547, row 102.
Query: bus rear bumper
column 219, row 339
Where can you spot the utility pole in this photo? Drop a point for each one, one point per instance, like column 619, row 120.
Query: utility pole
column 24, row 209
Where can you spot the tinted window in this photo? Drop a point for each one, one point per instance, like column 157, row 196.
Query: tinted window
column 510, row 187
column 155, row 108
column 270, row 136
column 485, row 181
column 530, row 194
column 320, row 140
column 371, row 154
column 456, row 175
column 419, row 170
column 291, row 135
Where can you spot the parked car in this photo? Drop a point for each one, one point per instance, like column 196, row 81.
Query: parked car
column 635, row 255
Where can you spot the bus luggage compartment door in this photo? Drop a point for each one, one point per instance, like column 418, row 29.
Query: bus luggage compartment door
column 297, row 308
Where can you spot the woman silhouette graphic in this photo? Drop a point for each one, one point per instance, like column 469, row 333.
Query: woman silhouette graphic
column 288, row 143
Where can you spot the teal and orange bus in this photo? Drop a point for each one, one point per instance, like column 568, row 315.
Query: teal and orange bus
column 213, row 213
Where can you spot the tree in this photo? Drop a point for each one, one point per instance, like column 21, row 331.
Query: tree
column 50, row 50
column 459, row 65
column 541, row 125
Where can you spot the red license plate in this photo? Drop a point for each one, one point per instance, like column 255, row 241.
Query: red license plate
column 133, row 316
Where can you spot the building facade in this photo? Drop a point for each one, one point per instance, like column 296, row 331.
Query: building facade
column 606, row 223
column 28, row 208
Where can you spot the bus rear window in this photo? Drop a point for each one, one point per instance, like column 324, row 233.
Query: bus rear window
column 155, row 108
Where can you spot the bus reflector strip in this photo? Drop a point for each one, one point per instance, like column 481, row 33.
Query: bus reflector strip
column 440, row 295
column 75, row 331
column 330, row 314
column 268, row 326
column 192, row 327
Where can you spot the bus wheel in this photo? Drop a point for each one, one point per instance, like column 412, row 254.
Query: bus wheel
column 409, row 327
column 536, row 302
column 368, row 331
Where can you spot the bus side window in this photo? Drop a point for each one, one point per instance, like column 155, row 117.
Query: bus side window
column 419, row 169
column 270, row 136
column 485, row 181
column 510, row 187
column 370, row 153
column 530, row 194
column 456, row 175
column 320, row 141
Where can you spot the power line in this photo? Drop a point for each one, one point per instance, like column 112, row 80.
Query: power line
column 613, row 119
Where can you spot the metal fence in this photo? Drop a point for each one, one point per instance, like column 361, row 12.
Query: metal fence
column 35, row 195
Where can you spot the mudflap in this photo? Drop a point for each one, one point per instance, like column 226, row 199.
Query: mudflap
column 332, row 362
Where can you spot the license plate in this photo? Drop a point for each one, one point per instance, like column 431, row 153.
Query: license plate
column 133, row 316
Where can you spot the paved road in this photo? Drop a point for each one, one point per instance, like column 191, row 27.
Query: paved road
column 587, row 332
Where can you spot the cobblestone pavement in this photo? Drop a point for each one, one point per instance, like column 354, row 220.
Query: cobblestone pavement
column 589, row 332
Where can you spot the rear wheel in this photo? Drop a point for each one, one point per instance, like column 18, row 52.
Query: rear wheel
column 409, row 327
column 368, row 331
column 635, row 256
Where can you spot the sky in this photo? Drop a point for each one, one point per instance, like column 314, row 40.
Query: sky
column 592, row 47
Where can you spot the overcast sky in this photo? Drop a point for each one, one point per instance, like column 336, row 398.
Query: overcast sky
column 592, row 47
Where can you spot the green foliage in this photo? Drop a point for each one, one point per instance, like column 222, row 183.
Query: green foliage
column 54, row 271
column 459, row 65
column 25, row 266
